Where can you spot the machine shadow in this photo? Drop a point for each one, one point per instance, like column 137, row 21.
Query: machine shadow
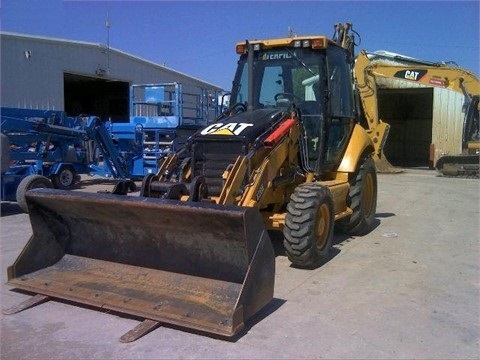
column 86, row 183
column 9, row 208
column 384, row 215
column 338, row 240
column 269, row 309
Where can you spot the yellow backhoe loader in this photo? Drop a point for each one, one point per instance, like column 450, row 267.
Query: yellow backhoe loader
column 193, row 249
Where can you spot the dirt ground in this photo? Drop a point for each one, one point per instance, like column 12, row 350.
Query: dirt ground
column 409, row 289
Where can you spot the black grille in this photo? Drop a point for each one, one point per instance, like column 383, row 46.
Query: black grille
column 211, row 159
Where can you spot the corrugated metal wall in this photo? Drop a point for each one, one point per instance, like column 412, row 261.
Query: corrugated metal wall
column 32, row 69
column 31, row 74
column 447, row 122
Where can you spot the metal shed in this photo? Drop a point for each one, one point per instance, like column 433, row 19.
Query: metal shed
column 426, row 121
column 78, row 77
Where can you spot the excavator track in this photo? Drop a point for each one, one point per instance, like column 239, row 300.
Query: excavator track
column 464, row 166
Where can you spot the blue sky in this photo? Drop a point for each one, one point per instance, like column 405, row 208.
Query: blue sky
column 198, row 37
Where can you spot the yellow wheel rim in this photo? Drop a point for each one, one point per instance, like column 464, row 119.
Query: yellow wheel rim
column 322, row 226
column 368, row 197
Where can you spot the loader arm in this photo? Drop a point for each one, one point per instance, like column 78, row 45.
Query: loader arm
column 276, row 167
column 233, row 181
column 273, row 163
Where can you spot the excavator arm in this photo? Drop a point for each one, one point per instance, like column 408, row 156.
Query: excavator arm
column 421, row 72
column 366, row 88
column 377, row 129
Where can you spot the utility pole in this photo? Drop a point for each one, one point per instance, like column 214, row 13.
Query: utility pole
column 107, row 25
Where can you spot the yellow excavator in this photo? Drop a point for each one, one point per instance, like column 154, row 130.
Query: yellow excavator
column 388, row 70
column 193, row 250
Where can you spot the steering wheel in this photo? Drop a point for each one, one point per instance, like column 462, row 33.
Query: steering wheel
column 238, row 107
column 287, row 96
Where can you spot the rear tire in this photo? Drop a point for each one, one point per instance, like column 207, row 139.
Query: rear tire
column 362, row 199
column 28, row 183
column 309, row 224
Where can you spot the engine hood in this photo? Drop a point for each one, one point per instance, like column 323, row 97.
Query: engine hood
column 247, row 125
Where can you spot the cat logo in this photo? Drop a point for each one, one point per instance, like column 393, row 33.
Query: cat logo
column 413, row 74
column 225, row 129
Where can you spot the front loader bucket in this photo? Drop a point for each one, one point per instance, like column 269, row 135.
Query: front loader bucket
column 201, row 266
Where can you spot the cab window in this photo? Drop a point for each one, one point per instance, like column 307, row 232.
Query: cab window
column 339, row 76
column 341, row 120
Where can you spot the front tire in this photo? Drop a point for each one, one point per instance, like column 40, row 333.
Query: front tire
column 362, row 199
column 28, row 183
column 309, row 224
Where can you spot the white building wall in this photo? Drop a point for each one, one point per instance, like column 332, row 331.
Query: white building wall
column 31, row 77
column 32, row 69
column 447, row 125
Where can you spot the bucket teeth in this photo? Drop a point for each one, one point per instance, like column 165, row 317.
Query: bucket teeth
column 140, row 330
column 31, row 302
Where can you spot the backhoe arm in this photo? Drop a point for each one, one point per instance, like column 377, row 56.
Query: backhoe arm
column 377, row 129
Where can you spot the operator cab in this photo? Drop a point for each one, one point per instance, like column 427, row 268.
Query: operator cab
column 293, row 74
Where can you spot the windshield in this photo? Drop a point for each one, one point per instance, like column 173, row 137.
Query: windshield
column 282, row 76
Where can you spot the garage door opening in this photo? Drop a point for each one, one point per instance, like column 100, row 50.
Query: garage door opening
column 409, row 113
column 106, row 99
